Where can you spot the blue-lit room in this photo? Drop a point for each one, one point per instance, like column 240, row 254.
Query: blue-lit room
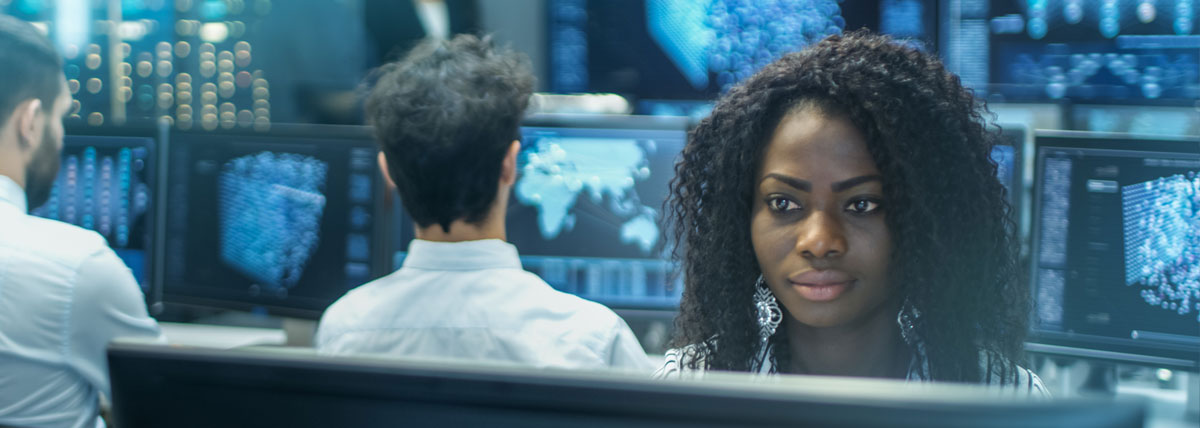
column 594, row 213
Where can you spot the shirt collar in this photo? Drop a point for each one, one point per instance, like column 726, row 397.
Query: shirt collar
column 12, row 195
column 466, row 255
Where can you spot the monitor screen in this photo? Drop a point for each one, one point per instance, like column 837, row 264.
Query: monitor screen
column 1116, row 257
column 586, row 211
column 683, row 49
column 1007, row 155
column 1104, row 51
column 106, row 183
column 1168, row 121
column 281, row 220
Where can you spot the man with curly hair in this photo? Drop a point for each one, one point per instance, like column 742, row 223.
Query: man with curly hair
column 840, row 215
column 447, row 118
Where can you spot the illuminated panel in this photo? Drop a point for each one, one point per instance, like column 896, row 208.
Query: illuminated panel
column 271, row 206
column 1162, row 241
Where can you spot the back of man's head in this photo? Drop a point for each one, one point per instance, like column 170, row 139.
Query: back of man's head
column 445, row 116
column 29, row 67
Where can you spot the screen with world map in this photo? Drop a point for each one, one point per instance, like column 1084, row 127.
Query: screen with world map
column 586, row 211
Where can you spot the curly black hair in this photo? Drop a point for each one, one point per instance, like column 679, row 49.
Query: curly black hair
column 954, row 255
column 445, row 116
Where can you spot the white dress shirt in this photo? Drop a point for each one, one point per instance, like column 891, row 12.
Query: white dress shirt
column 64, row 295
column 472, row 301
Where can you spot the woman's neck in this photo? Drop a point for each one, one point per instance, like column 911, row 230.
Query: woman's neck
column 870, row 347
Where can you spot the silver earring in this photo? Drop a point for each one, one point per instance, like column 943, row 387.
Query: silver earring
column 769, row 314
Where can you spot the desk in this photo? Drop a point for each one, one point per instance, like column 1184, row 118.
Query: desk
column 219, row 336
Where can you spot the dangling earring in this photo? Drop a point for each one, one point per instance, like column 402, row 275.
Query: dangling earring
column 769, row 314
column 907, row 319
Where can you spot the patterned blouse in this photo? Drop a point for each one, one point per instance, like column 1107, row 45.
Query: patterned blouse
column 996, row 371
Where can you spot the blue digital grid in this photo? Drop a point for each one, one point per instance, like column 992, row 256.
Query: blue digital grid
column 734, row 38
column 1162, row 241
column 101, row 193
column 270, row 214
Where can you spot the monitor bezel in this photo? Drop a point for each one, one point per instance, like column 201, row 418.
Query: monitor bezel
column 332, row 133
column 1077, row 345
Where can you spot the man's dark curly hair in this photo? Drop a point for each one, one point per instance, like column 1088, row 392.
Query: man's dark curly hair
column 954, row 255
column 445, row 116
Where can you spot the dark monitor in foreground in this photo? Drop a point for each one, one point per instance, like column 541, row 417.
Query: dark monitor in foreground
column 282, row 220
column 106, row 184
column 156, row 386
column 586, row 212
column 1116, row 256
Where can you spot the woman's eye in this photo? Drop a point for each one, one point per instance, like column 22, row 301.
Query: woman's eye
column 862, row 206
column 781, row 205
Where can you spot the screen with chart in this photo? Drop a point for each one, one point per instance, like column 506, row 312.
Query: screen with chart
column 1117, row 246
column 685, row 49
column 283, row 221
column 106, row 184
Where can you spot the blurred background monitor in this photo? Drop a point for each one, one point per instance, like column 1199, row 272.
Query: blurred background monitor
column 1008, row 157
column 695, row 50
column 107, row 183
column 283, row 220
column 157, row 386
column 586, row 213
column 1136, row 52
column 1142, row 120
column 1116, row 248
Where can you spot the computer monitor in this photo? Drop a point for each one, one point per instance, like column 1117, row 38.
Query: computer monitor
column 106, row 183
column 586, row 212
column 1116, row 248
column 690, row 50
column 156, row 386
column 283, row 220
column 1143, row 53
column 1008, row 155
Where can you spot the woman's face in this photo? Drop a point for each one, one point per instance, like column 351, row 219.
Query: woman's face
column 817, row 224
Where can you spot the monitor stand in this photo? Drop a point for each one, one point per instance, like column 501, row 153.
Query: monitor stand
column 1101, row 380
column 299, row 332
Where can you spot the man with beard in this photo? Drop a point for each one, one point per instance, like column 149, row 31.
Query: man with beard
column 64, row 294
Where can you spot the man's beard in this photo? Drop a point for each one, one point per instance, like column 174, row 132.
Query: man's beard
column 42, row 171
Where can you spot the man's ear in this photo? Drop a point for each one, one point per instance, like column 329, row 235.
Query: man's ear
column 508, row 169
column 25, row 119
column 383, row 167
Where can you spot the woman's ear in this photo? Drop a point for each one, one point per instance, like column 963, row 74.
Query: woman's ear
column 508, row 170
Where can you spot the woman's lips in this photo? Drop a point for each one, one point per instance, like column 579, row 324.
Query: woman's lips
column 821, row 285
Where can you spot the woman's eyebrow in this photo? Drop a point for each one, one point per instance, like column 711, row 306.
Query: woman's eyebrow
column 840, row 186
column 849, row 183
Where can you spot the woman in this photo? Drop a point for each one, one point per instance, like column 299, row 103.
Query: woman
column 840, row 215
